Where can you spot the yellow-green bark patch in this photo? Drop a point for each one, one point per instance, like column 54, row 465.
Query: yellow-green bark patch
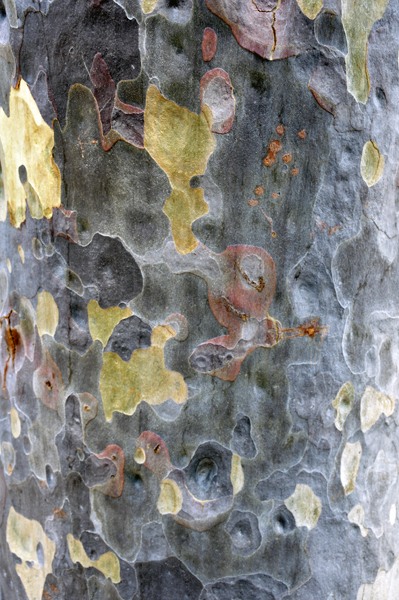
column 15, row 423
column 27, row 141
column 372, row 405
column 108, row 563
column 358, row 18
column 305, row 506
column 46, row 314
column 310, row 8
column 350, row 462
column 372, row 163
column 356, row 516
column 23, row 537
column 102, row 321
column 343, row 404
column 237, row 474
column 21, row 254
column 147, row 6
column 170, row 499
column 180, row 142
column 144, row 378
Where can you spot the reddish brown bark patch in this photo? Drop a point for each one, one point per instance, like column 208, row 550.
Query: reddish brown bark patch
column 209, row 44
column 274, row 147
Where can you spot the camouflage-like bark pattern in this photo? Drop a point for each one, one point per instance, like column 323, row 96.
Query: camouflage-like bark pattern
column 198, row 307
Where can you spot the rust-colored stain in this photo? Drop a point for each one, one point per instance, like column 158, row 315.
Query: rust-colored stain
column 60, row 514
column 253, row 202
column 302, row 134
column 275, row 195
column 87, row 143
column 259, row 190
column 274, row 147
column 280, row 129
column 311, row 329
column 287, row 158
column 13, row 348
column 209, row 44
column 295, row 172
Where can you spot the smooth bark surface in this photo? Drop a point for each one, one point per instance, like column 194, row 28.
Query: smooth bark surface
column 198, row 300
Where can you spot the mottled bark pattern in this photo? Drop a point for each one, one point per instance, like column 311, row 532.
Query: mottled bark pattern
column 199, row 318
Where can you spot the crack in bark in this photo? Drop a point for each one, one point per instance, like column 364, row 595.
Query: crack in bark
column 273, row 10
column 274, row 33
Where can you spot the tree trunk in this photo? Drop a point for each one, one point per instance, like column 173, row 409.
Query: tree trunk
column 198, row 296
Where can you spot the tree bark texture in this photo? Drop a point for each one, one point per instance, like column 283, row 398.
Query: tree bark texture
column 198, row 294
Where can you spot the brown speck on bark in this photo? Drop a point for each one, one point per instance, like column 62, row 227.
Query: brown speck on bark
column 86, row 407
column 302, row 134
column 275, row 195
column 295, row 172
column 287, row 158
column 280, row 129
column 49, row 385
column 274, row 147
column 259, row 190
column 311, row 329
column 253, row 202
